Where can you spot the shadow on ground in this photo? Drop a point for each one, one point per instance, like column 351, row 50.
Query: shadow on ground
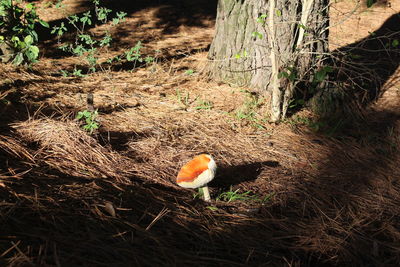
column 362, row 73
column 367, row 64
column 169, row 16
column 233, row 175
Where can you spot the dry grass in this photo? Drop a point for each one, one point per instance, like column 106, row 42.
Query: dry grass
column 326, row 209
column 70, row 150
column 70, row 199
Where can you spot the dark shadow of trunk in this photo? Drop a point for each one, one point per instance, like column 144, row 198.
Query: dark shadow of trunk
column 361, row 74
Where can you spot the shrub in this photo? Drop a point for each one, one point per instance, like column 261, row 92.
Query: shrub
column 18, row 37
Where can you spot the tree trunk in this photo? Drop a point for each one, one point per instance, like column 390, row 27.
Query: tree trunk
column 269, row 45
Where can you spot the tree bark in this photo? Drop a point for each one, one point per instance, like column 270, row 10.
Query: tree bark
column 269, row 45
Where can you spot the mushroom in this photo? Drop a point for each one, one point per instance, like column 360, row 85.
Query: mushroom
column 197, row 173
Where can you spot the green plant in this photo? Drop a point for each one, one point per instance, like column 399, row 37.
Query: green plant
column 257, row 35
column 320, row 76
column 262, row 19
column 183, row 99
column 248, row 110
column 289, row 73
column 242, row 54
column 370, row 3
column 204, row 104
column 77, row 73
column 189, row 72
column 395, row 43
column 267, row 198
column 296, row 103
column 231, row 195
column 18, row 37
column 199, row 194
column 300, row 120
column 90, row 119
column 87, row 45
column 133, row 55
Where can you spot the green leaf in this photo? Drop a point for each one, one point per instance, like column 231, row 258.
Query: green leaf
column 79, row 50
column 106, row 40
column 28, row 39
column 283, row 74
column 44, row 23
column 189, row 72
column 80, row 115
column 3, row 12
column 15, row 39
column 262, row 18
column 73, row 18
column 302, row 26
column 32, row 53
column 395, row 43
column 278, row 12
column 34, row 36
column 257, row 35
column 149, row 59
column 19, row 58
column 86, row 18
column 29, row 6
column 87, row 113
column 320, row 75
column 292, row 76
column 65, row 74
column 121, row 15
column 354, row 56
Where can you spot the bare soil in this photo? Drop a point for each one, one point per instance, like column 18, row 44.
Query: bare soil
column 67, row 198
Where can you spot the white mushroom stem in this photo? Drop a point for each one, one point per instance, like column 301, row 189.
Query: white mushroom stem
column 206, row 193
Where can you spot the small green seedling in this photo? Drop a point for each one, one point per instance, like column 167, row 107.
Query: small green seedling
column 257, row 35
column 242, row 54
column 189, row 72
column 231, row 195
column 90, row 118
column 204, row 104
column 89, row 46
column 267, row 198
column 248, row 110
column 199, row 194
column 395, row 43
column 212, row 208
column 182, row 99
column 262, row 19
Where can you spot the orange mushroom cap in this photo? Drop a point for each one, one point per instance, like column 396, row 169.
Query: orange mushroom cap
column 198, row 172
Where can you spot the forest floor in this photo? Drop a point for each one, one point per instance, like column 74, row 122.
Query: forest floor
column 309, row 198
